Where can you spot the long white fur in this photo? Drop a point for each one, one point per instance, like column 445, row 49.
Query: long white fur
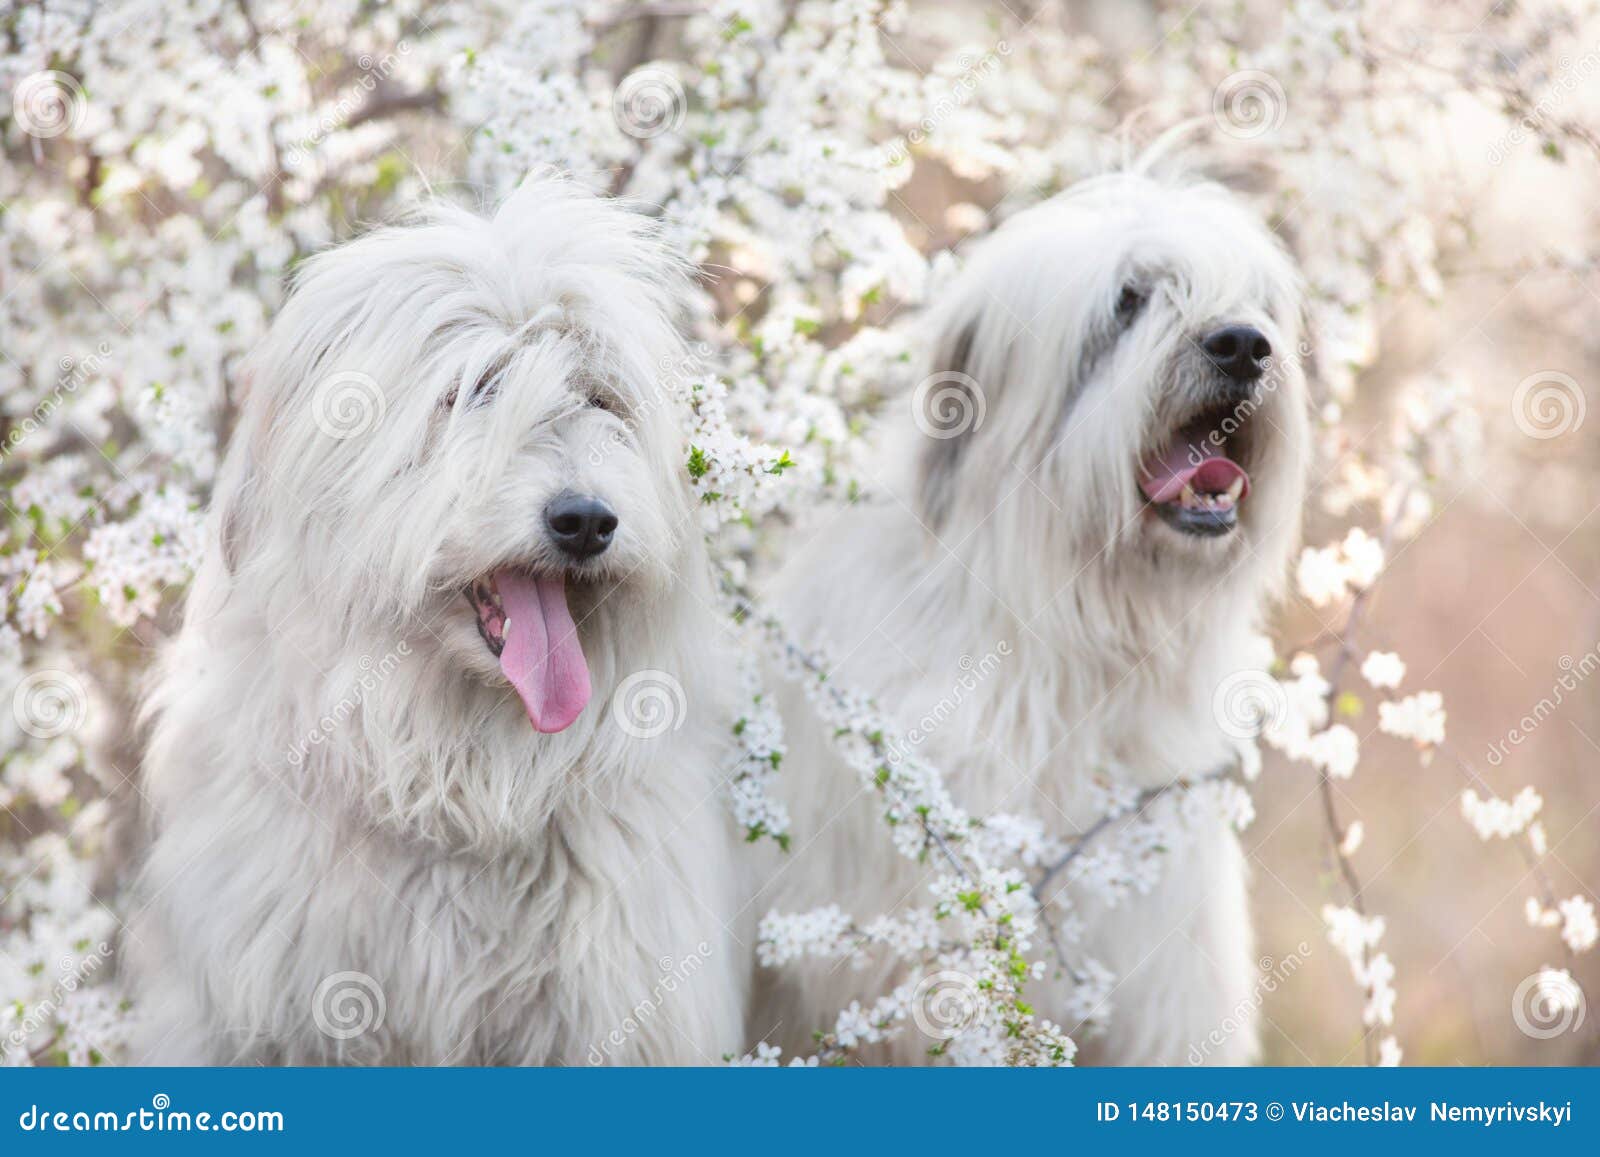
column 517, row 898
column 1031, row 529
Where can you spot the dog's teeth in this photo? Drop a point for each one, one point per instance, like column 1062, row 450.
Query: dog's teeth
column 1236, row 489
column 505, row 627
column 1188, row 496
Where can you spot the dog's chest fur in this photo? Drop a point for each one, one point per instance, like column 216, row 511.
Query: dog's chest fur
column 590, row 938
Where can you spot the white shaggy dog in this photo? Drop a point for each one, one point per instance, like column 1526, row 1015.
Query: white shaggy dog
column 400, row 815
column 1101, row 480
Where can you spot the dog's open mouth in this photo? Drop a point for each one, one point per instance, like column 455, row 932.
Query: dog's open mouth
column 1193, row 482
column 525, row 621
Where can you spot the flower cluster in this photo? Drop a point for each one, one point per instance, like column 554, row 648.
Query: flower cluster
column 981, row 918
column 1356, row 936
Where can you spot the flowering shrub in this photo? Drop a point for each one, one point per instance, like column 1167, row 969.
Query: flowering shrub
column 167, row 165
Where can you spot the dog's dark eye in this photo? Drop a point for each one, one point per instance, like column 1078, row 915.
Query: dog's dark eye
column 485, row 388
column 601, row 402
column 482, row 392
column 1129, row 302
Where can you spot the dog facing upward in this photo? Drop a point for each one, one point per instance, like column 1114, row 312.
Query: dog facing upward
column 399, row 815
column 1103, row 468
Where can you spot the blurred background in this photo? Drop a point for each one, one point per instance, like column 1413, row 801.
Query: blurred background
column 1433, row 165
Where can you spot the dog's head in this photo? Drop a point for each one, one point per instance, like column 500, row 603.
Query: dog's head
column 1124, row 362
column 461, row 426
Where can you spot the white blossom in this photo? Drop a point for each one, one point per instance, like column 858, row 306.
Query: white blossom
column 1418, row 717
column 1383, row 669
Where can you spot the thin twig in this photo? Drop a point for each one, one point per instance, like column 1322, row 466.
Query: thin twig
column 1330, row 813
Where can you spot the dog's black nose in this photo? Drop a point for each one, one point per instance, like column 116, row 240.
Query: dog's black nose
column 1240, row 351
column 581, row 524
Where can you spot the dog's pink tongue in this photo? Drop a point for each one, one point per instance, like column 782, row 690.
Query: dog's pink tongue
column 542, row 657
column 1163, row 476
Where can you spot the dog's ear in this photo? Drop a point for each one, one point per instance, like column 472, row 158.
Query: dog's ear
column 947, row 407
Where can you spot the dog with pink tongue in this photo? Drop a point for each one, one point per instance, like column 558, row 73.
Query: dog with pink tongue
column 413, row 797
